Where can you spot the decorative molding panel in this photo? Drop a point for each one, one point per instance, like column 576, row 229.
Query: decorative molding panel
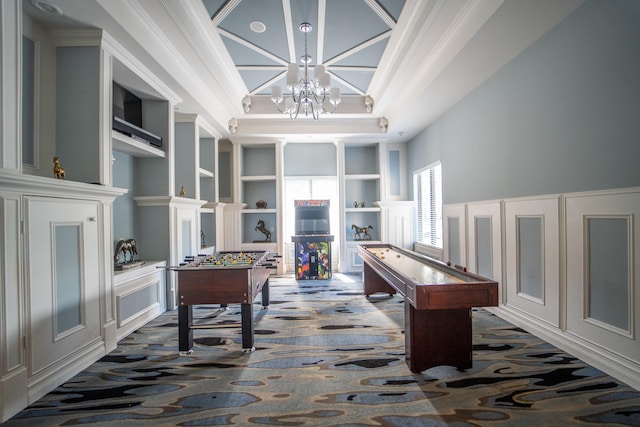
column 454, row 225
column 525, row 266
column 603, row 290
column 484, row 227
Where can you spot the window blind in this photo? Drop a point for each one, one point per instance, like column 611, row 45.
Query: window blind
column 427, row 188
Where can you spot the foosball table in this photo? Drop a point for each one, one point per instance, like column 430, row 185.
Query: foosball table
column 229, row 277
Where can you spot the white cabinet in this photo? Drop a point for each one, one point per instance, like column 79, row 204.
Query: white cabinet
column 139, row 296
column 65, row 284
column 57, row 310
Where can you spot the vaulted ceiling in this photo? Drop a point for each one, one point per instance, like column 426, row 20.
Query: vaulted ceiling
column 414, row 58
column 263, row 37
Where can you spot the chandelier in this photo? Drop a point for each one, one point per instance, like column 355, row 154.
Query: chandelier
column 308, row 96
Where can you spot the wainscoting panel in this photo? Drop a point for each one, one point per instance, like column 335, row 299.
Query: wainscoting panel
column 454, row 222
column 139, row 296
column 532, row 256
column 63, row 273
column 484, row 225
column 603, row 290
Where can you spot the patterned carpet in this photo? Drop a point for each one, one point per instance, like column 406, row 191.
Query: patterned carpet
column 327, row 356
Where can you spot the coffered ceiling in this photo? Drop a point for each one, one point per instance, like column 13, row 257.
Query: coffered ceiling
column 414, row 58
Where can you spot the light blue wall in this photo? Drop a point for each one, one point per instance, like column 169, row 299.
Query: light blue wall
column 310, row 159
column 563, row 116
column 78, row 112
column 124, row 207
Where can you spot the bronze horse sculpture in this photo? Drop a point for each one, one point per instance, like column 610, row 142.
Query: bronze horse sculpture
column 124, row 246
column 362, row 233
column 261, row 228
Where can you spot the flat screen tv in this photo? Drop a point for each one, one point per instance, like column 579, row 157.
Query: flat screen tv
column 127, row 116
column 127, row 106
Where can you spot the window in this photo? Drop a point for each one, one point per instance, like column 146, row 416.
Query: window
column 427, row 190
column 310, row 188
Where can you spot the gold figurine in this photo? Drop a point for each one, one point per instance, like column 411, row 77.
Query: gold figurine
column 58, row 172
column 182, row 192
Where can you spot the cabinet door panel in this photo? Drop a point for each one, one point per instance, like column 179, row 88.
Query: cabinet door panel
column 63, row 277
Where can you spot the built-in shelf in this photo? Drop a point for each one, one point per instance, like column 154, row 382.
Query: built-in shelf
column 371, row 209
column 246, row 211
column 258, row 178
column 366, row 176
column 205, row 173
column 133, row 147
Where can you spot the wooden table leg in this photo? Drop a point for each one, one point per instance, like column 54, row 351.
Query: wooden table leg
column 185, row 333
column 265, row 294
column 437, row 337
column 247, row 328
column 373, row 283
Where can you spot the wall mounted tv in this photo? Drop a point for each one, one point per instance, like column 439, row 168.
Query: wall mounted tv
column 127, row 116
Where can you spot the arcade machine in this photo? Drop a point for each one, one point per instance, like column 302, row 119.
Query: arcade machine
column 312, row 239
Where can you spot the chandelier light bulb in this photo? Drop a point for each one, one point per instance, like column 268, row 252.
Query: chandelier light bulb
column 276, row 94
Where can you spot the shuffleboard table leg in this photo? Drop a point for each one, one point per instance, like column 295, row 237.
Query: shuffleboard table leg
column 185, row 333
column 247, row 328
column 265, row 295
column 437, row 337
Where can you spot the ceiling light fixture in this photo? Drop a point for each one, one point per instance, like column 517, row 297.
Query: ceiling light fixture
column 47, row 7
column 307, row 95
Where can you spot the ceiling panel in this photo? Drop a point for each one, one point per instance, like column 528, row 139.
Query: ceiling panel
column 267, row 12
column 348, row 24
column 351, row 31
column 243, row 55
column 367, row 57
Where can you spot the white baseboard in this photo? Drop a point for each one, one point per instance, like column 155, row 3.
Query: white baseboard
column 621, row 368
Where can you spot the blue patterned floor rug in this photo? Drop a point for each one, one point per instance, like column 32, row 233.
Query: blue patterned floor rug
column 328, row 356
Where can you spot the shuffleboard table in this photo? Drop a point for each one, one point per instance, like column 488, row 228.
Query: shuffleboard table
column 223, row 278
column 437, row 303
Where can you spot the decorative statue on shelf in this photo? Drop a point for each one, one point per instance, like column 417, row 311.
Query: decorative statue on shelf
column 58, row 172
column 202, row 236
column 261, row 204
column 182, row 192
column 362, row 233
column 124, row 246
column 261, row 228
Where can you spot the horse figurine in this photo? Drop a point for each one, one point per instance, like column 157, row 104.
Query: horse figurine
column 58, row 172
column 362, row 233
column 124, row 246
column 261, row 228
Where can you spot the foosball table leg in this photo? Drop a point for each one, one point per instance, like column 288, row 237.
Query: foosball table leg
column 185, row 333
column 265, row 295
column 247, row 327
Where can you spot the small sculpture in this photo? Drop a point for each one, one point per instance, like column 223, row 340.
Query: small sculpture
column 355, row 204
column 202, row 239
column 362, row 233
column 261, row 204
column 58, row 172
column 182, row 192
column 261, row 228
column 124, row 246
column 362, row 204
